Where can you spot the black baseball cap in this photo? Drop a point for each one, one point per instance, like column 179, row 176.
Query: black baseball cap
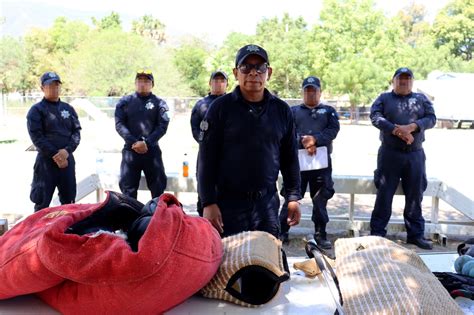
column 311, row 81
column 248, row 50
column 403, row 70
column 50, row 77
column 218, row 72
column 145, row 73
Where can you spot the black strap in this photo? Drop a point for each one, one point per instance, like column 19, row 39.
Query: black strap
column 328, row 266
column 466, row 248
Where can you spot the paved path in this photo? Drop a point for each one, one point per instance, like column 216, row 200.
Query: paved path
column 448, row 154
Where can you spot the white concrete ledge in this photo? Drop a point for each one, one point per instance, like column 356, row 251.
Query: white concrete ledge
column 352, row 185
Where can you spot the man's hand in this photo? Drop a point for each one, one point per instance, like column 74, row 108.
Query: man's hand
column 140, row 147
column 63, row 164
column 410, row 128
column 311, row 150
column 60, row 158
column 213, row 214
column 404, row 132
column 294, row 213
column 308, row 141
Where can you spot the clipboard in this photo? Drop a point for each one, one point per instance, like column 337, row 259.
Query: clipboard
column 313, row 162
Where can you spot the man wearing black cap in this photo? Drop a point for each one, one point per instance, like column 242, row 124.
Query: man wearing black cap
column 402, row 117
column 218, row 85
column 317, row 125
column 141, row 119
column 248, row 136
column 54, row 129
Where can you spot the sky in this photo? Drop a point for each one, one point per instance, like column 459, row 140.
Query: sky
column 211, row 19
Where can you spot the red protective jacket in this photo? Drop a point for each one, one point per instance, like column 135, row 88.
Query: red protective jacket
column 99, row 273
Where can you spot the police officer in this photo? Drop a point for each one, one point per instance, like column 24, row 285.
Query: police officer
column 402, row 117
column 141, row 119
column 317, row 125
column 247, row 137
column 218, row 86
column 54, row 129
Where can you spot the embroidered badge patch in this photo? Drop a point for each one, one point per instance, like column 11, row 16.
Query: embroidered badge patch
column 149, row 105
column 321, row 111
column 253, row 48
column 65, row 114
column 204, row 125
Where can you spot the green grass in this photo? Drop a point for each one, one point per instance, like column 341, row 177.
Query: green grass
column 8, row 141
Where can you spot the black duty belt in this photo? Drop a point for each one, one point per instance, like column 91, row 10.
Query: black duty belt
column 245, row 195
column 407, row 148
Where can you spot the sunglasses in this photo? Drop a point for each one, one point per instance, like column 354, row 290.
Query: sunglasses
column 144, row 71
column 245, row 68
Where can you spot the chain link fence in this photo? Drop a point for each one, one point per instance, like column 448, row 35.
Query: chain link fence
column 19, row 106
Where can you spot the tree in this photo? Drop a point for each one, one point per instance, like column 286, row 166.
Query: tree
column 454, row 27
column 111, row 21
column 357, row 76
column 48, row 49
column 150, row 28
column 168, row 80
column 412, row 19
column 39, row 56
column 287, row 44
column 190, row 59
column 106, row 63
column 13, row 66
column 356, row 48
column 67, row 35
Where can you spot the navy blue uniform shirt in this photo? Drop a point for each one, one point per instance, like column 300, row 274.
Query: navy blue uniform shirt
column 390, row 109
column 320, row 122
column 198, row 113
column 140, row 118
column 53, row 126
column 242, row 150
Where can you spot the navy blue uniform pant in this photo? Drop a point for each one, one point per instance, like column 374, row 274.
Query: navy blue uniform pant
column 321, row 189
column 131, row 170
column 392, row 166
column 47, row 176
column 241, row 213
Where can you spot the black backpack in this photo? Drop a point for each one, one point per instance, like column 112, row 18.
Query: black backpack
column 458, row 284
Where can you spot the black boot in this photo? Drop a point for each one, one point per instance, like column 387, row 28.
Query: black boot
column 420, row 242
column 321, row 237
column 284, row 238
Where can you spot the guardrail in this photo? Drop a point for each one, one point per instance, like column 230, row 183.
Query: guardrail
column 352, row 185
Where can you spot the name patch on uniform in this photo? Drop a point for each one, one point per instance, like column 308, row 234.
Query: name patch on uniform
column 149, row 105
column 321, row 111
column 65, row 114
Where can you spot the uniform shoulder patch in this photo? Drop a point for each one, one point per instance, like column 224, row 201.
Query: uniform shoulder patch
column 164, row 105
column 204, row 125
column 165, row 116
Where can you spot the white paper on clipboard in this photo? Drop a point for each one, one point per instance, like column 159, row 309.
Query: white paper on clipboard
column 313, row 162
